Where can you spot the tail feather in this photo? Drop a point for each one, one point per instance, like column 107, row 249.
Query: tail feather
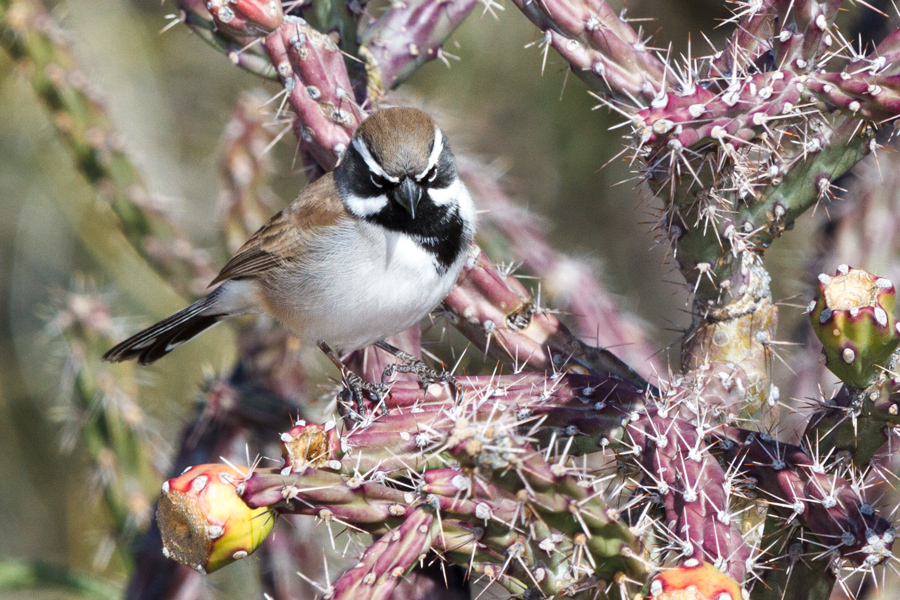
column 156, row 341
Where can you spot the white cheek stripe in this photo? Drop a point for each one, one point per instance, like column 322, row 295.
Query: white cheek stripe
column 364, row 207
column 447, row 195
column 374, row 167
column 436, row 150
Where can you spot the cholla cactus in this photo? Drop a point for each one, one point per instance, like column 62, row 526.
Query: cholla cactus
column 565, row 472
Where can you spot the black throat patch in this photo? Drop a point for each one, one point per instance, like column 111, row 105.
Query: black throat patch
column 439, row 229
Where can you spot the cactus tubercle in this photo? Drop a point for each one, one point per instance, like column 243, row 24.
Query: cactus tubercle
column 246, row 17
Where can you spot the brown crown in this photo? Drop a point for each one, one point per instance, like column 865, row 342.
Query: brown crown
column 400, row 139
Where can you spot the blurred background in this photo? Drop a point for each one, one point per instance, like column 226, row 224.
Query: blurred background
column 170, row 97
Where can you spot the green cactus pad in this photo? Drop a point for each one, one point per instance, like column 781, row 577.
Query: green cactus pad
column 853, row 317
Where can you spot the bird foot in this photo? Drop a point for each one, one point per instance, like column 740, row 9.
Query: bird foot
column 411, row 364
column 356, row 389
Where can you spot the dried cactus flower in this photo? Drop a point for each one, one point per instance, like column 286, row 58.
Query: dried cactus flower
column 203, row 521
column 694, row 580
column 309, row 445
column 853, row 317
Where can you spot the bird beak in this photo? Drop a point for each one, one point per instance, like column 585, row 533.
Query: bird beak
column 408, row 194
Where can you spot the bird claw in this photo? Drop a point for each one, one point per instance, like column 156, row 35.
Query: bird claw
column 353, row 397
column 415, row 366
column 356, row 388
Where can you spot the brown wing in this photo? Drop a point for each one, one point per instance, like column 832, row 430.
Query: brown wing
column 287, row 235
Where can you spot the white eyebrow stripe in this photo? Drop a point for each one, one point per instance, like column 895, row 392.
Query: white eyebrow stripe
column 374, row 167
column 436, row 150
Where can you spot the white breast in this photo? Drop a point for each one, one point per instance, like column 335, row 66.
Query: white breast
column 363, row 284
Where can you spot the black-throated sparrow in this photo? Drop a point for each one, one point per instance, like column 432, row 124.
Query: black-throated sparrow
column 363, row 253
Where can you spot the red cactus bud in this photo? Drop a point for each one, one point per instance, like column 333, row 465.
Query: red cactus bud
column 204, row 523
column 853, row 317
column 248, row 18
column 694, row 580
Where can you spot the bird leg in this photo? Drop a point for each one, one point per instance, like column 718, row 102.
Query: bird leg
column 357, row 387
column 411, row 364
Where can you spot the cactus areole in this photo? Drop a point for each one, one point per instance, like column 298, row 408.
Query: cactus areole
column 853, row 317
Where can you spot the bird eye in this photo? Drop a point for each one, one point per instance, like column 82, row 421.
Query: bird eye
column 377, row 181
column 432, row 174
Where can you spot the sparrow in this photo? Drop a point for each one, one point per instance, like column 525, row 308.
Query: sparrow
column 363, row 253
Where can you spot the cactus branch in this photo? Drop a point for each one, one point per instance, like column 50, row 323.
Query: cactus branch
column 383, row 564
column 601, row 48
column 495, row 311
column 572, row 283
column 406, row 36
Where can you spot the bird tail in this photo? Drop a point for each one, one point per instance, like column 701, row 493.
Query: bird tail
column 156, row 341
